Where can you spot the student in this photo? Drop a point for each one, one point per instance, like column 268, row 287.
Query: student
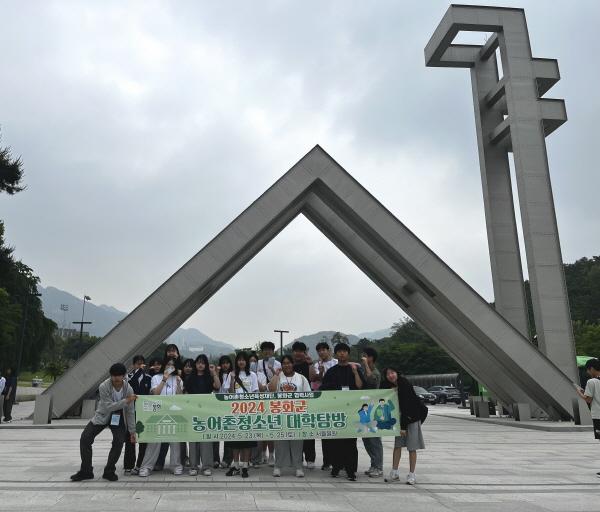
column 288, row 453
column 302, row 364
column 267, row 366
column 115, row 410
column 317, row 372
column 241, row 380
column 2, row 384
column 343, row 376
column 154, row 367
column 188, row 368
column 411, row 436
column 224, row 368
column 10, row 394
column 140, row 382
column 592, row 394
column 171, row 352
column 373, row 445
column 262, row 378
column 202, row 381
column 166, row 384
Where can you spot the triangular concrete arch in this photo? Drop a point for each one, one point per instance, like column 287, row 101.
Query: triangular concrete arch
column 381, row 246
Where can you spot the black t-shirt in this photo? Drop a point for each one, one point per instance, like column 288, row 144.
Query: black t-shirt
column 338, row 377
column 198, row 384
column 302, row 369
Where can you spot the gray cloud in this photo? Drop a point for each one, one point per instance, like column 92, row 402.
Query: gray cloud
column 145, row 127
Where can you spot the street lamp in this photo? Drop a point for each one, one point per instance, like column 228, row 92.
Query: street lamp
column 23, row 325
column 81, row 324
column 280, row 340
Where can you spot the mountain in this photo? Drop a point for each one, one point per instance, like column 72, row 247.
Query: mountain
column 190, row 341
column 376, row 335
column 311, row 340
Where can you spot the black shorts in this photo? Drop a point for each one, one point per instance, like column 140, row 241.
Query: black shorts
column 596, row 429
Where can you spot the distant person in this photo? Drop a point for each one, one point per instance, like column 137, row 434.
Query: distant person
column 343, row 376
column 373, row 445
column 9, row 393
column 411, row 415
column 592, row 394
column 302, row 364
column 2, row 385
column 168, row 383
column 115, row 410
column 204, row 380
column 267, row 366
column 316, row 373
column 288, row 453
column 140, row 382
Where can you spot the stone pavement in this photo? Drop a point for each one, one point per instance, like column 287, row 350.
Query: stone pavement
column 467, row 466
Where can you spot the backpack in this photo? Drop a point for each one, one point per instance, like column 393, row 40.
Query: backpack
column 423, row 412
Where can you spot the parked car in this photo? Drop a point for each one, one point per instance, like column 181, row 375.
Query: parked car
column 446, row 394
column 425, row 395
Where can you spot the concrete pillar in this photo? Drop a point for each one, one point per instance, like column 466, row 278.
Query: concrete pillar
column 42, row 413
column 522, row 412
column 88, row 409
column 482, row 409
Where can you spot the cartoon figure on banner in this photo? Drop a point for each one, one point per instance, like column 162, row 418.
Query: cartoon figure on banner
column 383, row 415
column 365, row 423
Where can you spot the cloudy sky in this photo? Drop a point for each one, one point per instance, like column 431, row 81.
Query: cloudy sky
column 146, row 127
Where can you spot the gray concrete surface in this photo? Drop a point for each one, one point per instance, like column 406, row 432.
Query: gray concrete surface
column 467, row 466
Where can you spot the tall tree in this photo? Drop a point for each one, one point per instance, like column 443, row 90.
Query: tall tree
column 11, row 172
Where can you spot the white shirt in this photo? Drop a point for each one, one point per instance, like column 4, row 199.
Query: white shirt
column 170, row 387
column 326, row 365
column 297, row 383
column 2, row 384
column 118, row 395
column 592, row 389
column 263, row 365
column 250, row 382
column 262, row 379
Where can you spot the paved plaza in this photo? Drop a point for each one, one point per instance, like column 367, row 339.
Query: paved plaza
column 468, row 466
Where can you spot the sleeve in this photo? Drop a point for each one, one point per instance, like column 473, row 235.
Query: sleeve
column 2, row 382
column 155, row 381
column 589, row 389
column 305, row 384
column 254, row 380
column 130, row 412
column 261, row 378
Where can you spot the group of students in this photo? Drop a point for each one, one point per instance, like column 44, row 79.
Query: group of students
column 248, row 373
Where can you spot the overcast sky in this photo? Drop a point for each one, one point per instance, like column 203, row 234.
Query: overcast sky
column 146, row 127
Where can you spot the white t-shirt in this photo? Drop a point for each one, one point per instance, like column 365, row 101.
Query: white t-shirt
column 297, row 383
column 592, row 389
column 326, row 365
column 250, row 382
column 263, row 365
column 170, row 387
column 118, row 395
column 262, row 379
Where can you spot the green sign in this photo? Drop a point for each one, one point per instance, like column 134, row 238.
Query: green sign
column 267, row 416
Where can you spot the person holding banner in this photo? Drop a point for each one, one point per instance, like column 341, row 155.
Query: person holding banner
column 225, row 366
column 343, row 376
column 202, row 381
column 166, row 384
column 412, row 412
column 241, row 381
column 267, row 367
column 288, row 453
column 116, row 411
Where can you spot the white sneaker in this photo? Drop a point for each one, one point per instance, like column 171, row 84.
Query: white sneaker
column 276, row 472
column 144, row 472
column 375, row 473
column 394, row 475
column 299, row 473
column 271, row 460
column 193, row 471
column 178, row 470
column 411, row 479
column 310, row 465
column 207, row 472
column 369, row 471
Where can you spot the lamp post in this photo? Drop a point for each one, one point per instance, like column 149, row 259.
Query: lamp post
column 23, row 325
column 280, row 340
column 81, row 324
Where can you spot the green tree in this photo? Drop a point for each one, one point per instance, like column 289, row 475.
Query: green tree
column 11, row 172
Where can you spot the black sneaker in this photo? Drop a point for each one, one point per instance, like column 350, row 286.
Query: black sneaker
column 232, row 471
column 79, row 476
column 335, row 473
column 326, row 467
column 111, row 477
column 244, row 472
column 351, row 477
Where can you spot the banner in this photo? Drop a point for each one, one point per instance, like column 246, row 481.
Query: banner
column 267, row 416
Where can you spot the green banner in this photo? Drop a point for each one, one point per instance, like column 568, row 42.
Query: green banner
column 267, row 416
